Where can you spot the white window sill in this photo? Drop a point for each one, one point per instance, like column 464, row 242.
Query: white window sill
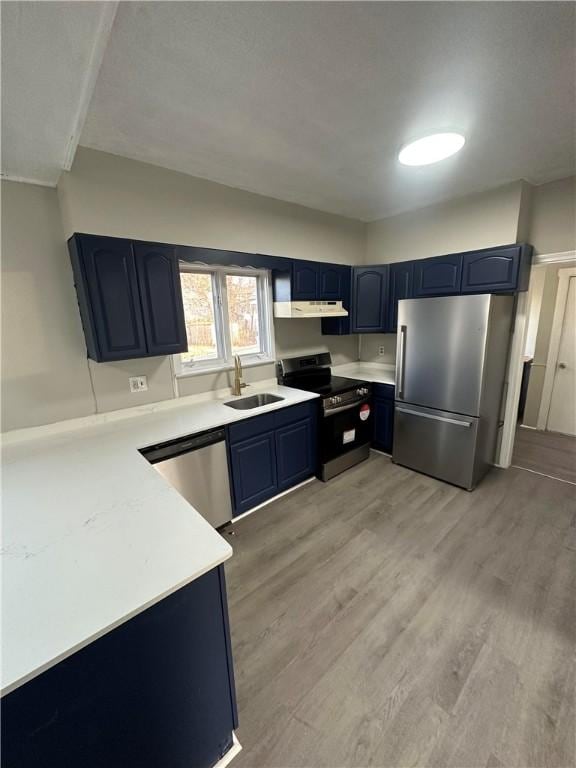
column 187, row 373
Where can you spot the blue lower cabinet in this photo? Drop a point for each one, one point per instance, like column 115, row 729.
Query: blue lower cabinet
column 157, row 691
column 254, row 475
column 294, row 453
column 270, row 453
column 383, row 424
column 383, row 407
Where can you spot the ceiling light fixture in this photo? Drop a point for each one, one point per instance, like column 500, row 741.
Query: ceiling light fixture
column 431, row 149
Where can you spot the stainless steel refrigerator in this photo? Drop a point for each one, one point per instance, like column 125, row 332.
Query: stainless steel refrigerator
column 450, row 370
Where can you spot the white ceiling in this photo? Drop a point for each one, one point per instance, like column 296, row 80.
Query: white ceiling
column 310, row 102
column 51, row 53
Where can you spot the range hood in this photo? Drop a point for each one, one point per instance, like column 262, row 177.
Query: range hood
column 309, row 309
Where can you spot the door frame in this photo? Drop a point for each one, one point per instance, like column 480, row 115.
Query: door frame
column 516, row 360
column 564, row 276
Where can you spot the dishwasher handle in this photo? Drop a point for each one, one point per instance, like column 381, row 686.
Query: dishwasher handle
column 173, row 448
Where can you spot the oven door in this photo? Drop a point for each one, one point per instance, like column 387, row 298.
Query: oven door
column 345, row 429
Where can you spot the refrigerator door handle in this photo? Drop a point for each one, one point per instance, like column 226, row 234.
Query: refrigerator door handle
column 400, row 366
column 458, row 422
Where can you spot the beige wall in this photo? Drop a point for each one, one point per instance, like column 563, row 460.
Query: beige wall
column 476, row 221
column 553, row 217
column 517, row 212
column 44, row 368
column 545, row 318
column 104, row 194
column 108, row 195
column 45, row 374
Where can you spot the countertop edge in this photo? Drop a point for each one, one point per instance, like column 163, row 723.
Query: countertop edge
column 15, row 684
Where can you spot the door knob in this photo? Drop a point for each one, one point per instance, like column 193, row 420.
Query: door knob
column 562, row 365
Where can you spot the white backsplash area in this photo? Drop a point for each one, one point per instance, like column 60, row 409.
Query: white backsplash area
column 371, row 344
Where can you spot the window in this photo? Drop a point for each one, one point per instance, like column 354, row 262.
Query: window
column 227, row 312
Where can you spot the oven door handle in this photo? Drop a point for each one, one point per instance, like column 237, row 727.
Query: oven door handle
column 345, row 407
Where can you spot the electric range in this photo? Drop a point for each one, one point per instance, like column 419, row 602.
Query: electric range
column 345, row 418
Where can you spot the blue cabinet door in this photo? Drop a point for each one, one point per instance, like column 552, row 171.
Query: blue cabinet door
column 439, row 276
column 304, row 281
column 502, row 269
column 108, row 295
column 254, row 476
column 383, row 424
column 295, row 453
column 161, row 297
column 156, row 691
column 369, row 299
column 401, row 287
column 335, row 284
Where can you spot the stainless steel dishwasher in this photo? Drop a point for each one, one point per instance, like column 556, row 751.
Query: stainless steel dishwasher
column 197, row 467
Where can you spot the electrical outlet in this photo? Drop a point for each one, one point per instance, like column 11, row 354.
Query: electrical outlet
column 138, row 383
column 381, row 349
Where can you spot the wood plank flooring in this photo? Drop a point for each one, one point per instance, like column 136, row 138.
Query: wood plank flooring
column 548, row 452
column 387, row 619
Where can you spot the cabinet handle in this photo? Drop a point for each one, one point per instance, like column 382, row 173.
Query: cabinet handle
column 458, row 422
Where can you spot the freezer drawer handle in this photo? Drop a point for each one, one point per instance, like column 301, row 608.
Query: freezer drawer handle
column 401, row 360
column 436, row 418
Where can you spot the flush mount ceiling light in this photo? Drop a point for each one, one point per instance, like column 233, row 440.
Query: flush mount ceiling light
column 431, row 149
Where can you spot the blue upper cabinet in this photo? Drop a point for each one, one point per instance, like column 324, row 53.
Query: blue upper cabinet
column 333, row 282
column 439, row 276
column 502, row 269
column 305, row 281
column 161, row 297
column 129, row 297
column 108, row 297
column 370, row 299
column 401, row 287
column 271, row 453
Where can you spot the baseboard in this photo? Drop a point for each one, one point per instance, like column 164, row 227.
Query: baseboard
column 269, row 501
column 231, row 754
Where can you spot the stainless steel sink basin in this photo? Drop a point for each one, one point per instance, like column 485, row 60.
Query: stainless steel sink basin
column 254, row 401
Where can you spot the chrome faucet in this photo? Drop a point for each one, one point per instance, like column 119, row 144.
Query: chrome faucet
column 238, row 383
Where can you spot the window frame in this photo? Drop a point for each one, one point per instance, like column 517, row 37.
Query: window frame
column 225, row 359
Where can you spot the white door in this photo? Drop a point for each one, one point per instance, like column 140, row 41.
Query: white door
column 562, row 414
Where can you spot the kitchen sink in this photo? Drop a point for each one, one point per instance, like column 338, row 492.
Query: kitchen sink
column 254, row 401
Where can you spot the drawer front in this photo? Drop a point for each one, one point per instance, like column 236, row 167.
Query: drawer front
column 435, row 442
column 250, row 427
column 295, row 413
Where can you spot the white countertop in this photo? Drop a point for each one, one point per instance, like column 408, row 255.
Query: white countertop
column 92, row 534
column 380, row 373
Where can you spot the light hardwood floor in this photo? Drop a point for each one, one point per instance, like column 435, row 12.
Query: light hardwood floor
column 546, row 452
column 388, row 619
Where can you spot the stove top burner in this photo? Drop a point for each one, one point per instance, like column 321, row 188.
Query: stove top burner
column 333, row 386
